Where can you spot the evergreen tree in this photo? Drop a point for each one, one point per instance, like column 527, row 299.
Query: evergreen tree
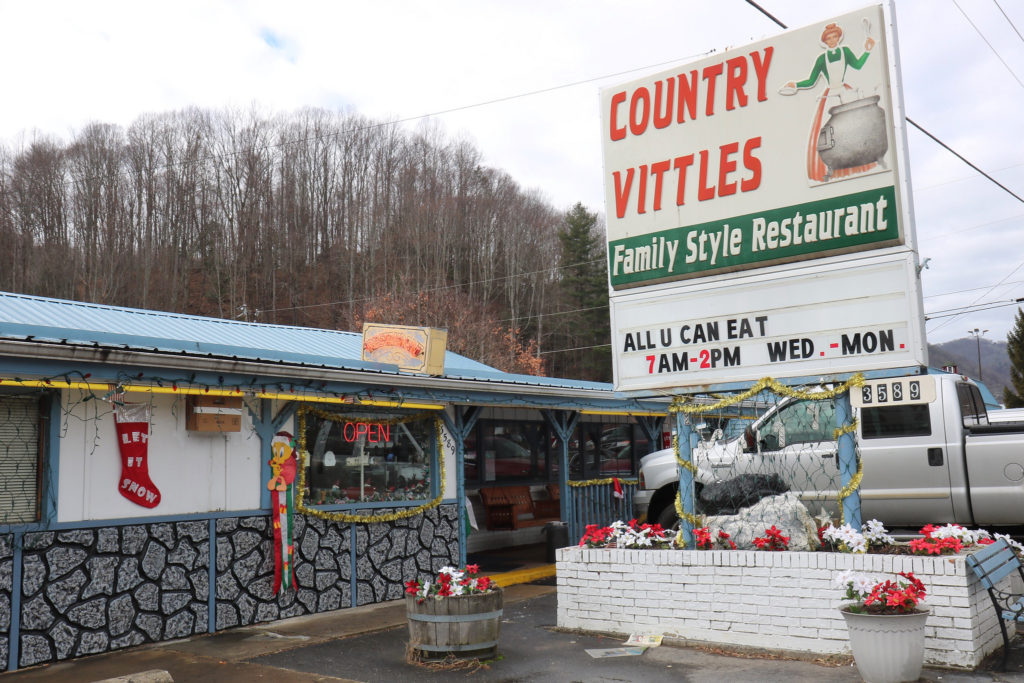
column 585, row 328
column 1015, row 349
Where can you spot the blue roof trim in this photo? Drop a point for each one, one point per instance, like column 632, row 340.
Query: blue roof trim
column 24, row 317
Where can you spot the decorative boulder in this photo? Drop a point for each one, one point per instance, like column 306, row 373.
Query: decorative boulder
column 785, row 511
column 729, row 497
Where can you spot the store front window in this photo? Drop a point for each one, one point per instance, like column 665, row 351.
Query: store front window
column 526, row 451
column 504, row 451
column 368, row 456
column 599, row 450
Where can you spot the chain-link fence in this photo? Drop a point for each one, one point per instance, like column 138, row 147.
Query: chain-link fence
column 780, row 468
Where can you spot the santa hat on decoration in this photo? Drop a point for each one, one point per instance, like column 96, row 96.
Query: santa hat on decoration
column 616, row 488
column 282, row 437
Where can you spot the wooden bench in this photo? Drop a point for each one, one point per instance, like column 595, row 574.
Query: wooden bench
column 991, row 564
column 552, row 507
column 513, row 507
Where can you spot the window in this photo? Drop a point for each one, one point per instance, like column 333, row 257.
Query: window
column 972, row 405
column 21, row 448
column 889, row 421
column 799, row 422
column 600, row 450
column 368, row 457
column 507, row 451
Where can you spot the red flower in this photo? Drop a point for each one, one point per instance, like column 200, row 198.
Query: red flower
column 412, row 587
column 772, row 540
column 472, row 569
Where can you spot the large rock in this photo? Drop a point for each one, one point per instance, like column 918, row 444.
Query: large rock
column 785, row 511
column 729, row 497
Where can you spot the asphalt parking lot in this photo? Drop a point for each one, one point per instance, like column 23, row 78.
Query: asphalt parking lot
column 369, row 644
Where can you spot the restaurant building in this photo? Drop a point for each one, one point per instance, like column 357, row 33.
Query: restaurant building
column 166, row 475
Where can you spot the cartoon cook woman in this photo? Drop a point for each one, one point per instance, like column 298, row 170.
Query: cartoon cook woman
column 833, row 64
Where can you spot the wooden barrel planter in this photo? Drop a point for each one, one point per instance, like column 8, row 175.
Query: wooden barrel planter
column 465, row 625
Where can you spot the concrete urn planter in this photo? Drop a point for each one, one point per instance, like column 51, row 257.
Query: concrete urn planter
column 887, row 648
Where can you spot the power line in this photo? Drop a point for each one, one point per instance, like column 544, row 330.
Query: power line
column 964, row 291
column 440, row 288
column 911, row 121
column 962, row 158
column 1009, row 20
column 994, row 51
column 577, row 348
column 971, row 227
column 766, row 13
column 956, row 315
column 973, row 309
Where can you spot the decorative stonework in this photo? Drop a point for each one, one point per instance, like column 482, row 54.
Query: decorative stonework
column 91, row 590
column 6, row 589
column 87, row 591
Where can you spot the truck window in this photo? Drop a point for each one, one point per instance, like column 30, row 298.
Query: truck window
column 972, row 405
column 799, row 422
column 890, row 421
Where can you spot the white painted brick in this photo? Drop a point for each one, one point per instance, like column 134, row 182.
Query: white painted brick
column 744, row 594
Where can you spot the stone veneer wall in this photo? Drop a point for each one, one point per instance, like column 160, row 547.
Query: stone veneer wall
column 92, row 590
column 6, row 588
column 771, row 600
column 387, row 555
column 88, row 591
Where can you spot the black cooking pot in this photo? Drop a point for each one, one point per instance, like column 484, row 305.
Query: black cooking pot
column 854, row 135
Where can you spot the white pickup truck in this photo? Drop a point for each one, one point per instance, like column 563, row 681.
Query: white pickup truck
column 929, row 452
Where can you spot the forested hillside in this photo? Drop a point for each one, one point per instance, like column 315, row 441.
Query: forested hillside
column 963, row 353
column 315, row 218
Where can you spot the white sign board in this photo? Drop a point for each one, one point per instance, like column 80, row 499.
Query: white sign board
column 768, row 162
column 817, row 320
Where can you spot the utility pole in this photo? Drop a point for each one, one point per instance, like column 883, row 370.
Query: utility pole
column 977, row 337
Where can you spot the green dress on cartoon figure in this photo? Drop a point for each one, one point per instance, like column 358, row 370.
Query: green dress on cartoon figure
column 844, row 56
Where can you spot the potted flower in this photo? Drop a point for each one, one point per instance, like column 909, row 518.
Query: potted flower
column 458, row 612
column 886, row 623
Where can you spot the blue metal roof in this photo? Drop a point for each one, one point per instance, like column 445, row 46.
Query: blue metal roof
column 24, row 317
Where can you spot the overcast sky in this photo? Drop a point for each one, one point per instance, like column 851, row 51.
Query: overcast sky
column 521, row 79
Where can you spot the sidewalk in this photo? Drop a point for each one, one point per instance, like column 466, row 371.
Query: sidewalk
column 368, row 644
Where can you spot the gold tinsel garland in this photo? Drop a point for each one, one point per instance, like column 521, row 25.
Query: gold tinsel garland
column 680, row 406
column 300, row 503
column 597, row 482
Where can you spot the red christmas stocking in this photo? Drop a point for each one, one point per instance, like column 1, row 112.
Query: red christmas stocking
column 132, row 421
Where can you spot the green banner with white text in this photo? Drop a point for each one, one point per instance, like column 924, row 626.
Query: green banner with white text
column 853, row 222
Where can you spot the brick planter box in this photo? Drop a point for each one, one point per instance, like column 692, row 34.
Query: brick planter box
column 770, row 600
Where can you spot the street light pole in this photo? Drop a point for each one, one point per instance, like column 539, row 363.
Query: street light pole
column 977, row 336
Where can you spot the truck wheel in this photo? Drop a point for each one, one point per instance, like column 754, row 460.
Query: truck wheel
column 668, row 517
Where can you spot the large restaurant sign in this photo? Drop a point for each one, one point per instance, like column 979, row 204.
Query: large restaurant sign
column 752, row 166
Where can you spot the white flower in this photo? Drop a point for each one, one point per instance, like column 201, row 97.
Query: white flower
column 863, row 584
column 1012, row 543
column 846, row 537
column 876, row 534
column 860, row 584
